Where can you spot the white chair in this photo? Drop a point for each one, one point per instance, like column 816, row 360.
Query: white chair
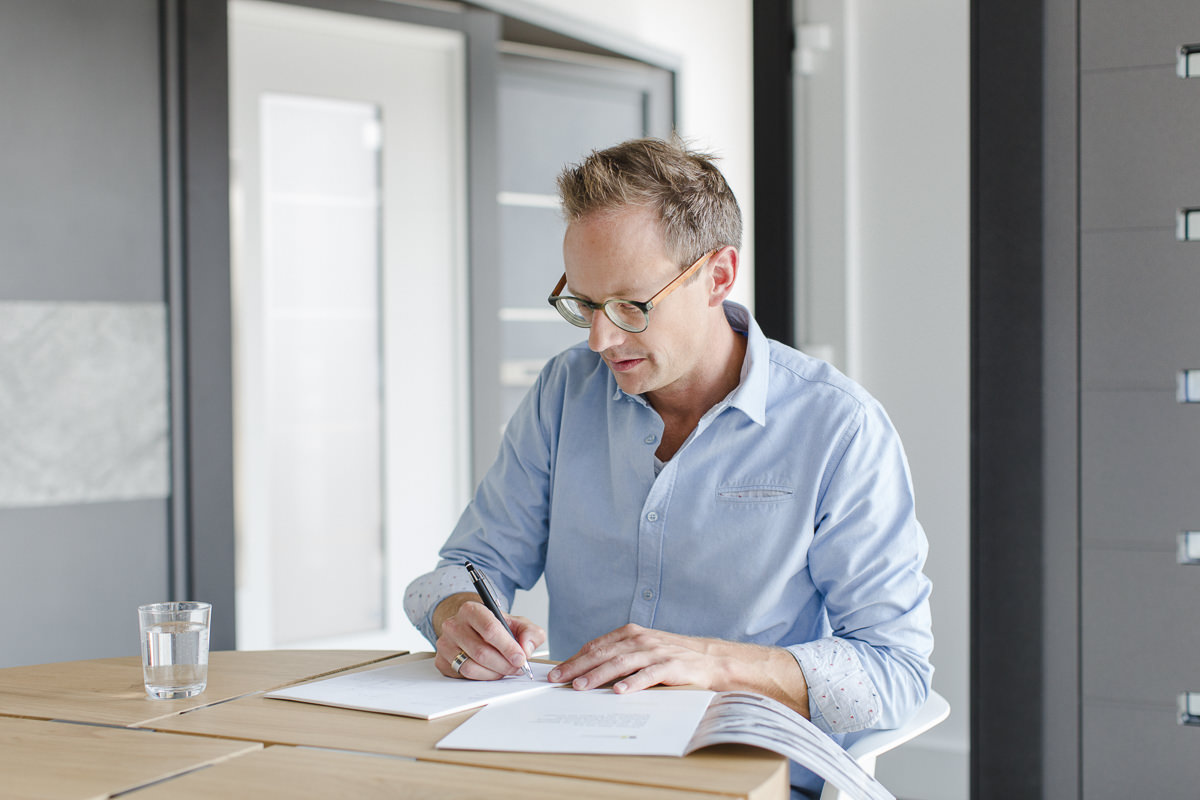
column 870, row 745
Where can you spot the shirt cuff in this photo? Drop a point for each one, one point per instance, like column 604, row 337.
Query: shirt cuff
column 426, row 592
column 841, row 695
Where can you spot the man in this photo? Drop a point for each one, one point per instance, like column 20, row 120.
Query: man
column 709, row 507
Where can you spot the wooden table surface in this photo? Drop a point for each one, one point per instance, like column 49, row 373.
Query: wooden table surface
column 291, row 772
column 226, row 728
column 42, row 760
column 110, row 691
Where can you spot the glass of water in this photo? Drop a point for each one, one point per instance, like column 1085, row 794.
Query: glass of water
column 174, row 648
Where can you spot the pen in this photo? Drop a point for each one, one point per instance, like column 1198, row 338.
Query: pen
column 490, row 602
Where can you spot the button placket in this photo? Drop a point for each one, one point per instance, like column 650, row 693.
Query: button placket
column 650, row 536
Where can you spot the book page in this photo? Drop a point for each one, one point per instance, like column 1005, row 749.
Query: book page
column 413, row 689
column 650, row 723
column 747, row 718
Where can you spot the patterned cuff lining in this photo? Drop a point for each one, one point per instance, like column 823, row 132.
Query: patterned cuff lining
column 427, row 591
column 841, row 696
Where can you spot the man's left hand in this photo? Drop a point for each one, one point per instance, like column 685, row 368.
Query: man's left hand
column 637, row 658
column 642, row 657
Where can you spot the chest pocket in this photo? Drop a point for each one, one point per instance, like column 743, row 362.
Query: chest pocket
column 755, row 493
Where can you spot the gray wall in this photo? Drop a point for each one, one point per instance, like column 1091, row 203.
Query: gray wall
column 84, row 466
column 114, row 229
column 1085, row 465
column 1140, row 449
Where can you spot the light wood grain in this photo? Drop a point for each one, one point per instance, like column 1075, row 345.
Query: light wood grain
column 43, row 760
column 288, row 772
column 724, row 770
column 110, row 690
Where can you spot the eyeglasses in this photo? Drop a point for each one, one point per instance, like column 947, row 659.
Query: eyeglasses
column 628, row 315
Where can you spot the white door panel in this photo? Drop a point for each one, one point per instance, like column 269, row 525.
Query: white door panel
column 350, row 347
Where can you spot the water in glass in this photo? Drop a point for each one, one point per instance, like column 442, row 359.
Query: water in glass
column 175, row 659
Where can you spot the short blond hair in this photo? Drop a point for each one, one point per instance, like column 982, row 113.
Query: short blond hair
column 695, row 206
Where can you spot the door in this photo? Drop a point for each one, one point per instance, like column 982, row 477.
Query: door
column 555, row 108
column 350, row 340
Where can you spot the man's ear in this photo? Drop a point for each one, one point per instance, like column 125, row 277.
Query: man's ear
column 723, row 272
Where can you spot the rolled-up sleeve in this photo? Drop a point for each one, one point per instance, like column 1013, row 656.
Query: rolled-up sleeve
column 867, row 558
column 424, row 594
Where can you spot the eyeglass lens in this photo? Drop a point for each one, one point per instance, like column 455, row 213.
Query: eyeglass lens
column 624, row 315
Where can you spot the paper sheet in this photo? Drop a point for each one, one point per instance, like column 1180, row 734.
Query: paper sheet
column 748, row 718
column 659, row 723
column 413, row 689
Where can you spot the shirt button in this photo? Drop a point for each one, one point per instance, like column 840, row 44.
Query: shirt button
column 647, row 594
column 651, row 439
column 652, row 516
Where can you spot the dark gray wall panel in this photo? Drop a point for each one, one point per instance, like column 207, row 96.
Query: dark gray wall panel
column 1121, row 33
column 1138, row 149
column 1140, row 466
column 73, row 577
column 1140, row 612
column 1008, row 424
column 1137, row 752
column 81, row 162
column 1139, row 294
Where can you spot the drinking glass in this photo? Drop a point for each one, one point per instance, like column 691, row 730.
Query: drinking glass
column 174, row 648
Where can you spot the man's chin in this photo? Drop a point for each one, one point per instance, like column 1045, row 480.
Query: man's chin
column 628, row 383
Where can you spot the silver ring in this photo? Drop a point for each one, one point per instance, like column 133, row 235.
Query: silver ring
column 458, row 661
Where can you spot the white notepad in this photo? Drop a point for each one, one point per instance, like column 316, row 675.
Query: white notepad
column 413, row 689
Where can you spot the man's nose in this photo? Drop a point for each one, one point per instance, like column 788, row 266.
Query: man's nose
column 604, row 333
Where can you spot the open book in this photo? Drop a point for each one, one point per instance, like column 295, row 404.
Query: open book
column 663, row 723
column 413, row 689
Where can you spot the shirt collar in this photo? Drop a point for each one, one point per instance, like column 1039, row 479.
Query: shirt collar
column 750, row 396
column 751, row 393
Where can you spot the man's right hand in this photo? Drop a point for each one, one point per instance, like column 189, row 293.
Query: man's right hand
column 464, row 625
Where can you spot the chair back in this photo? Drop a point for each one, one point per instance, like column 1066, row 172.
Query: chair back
column 871, row 744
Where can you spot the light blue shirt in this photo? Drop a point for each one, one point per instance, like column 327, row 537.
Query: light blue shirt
column 786, row 518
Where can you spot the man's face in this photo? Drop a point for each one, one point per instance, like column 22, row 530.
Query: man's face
column 621, row 255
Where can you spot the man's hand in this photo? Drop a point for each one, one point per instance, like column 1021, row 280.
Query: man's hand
column 638, row 658
column 464, row 625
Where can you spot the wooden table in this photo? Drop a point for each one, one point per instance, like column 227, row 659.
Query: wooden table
column 252, row 746
column 110, row 691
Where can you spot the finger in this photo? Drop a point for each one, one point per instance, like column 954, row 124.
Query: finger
column 449, row 650
column 615, row 668
column 597, row 652
column 529, row 635
column 443, row 655
column 652, row 675
column 474, row 671
column 446, row 651
column 602, row 663
column 459, row 636
column 484, row 639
